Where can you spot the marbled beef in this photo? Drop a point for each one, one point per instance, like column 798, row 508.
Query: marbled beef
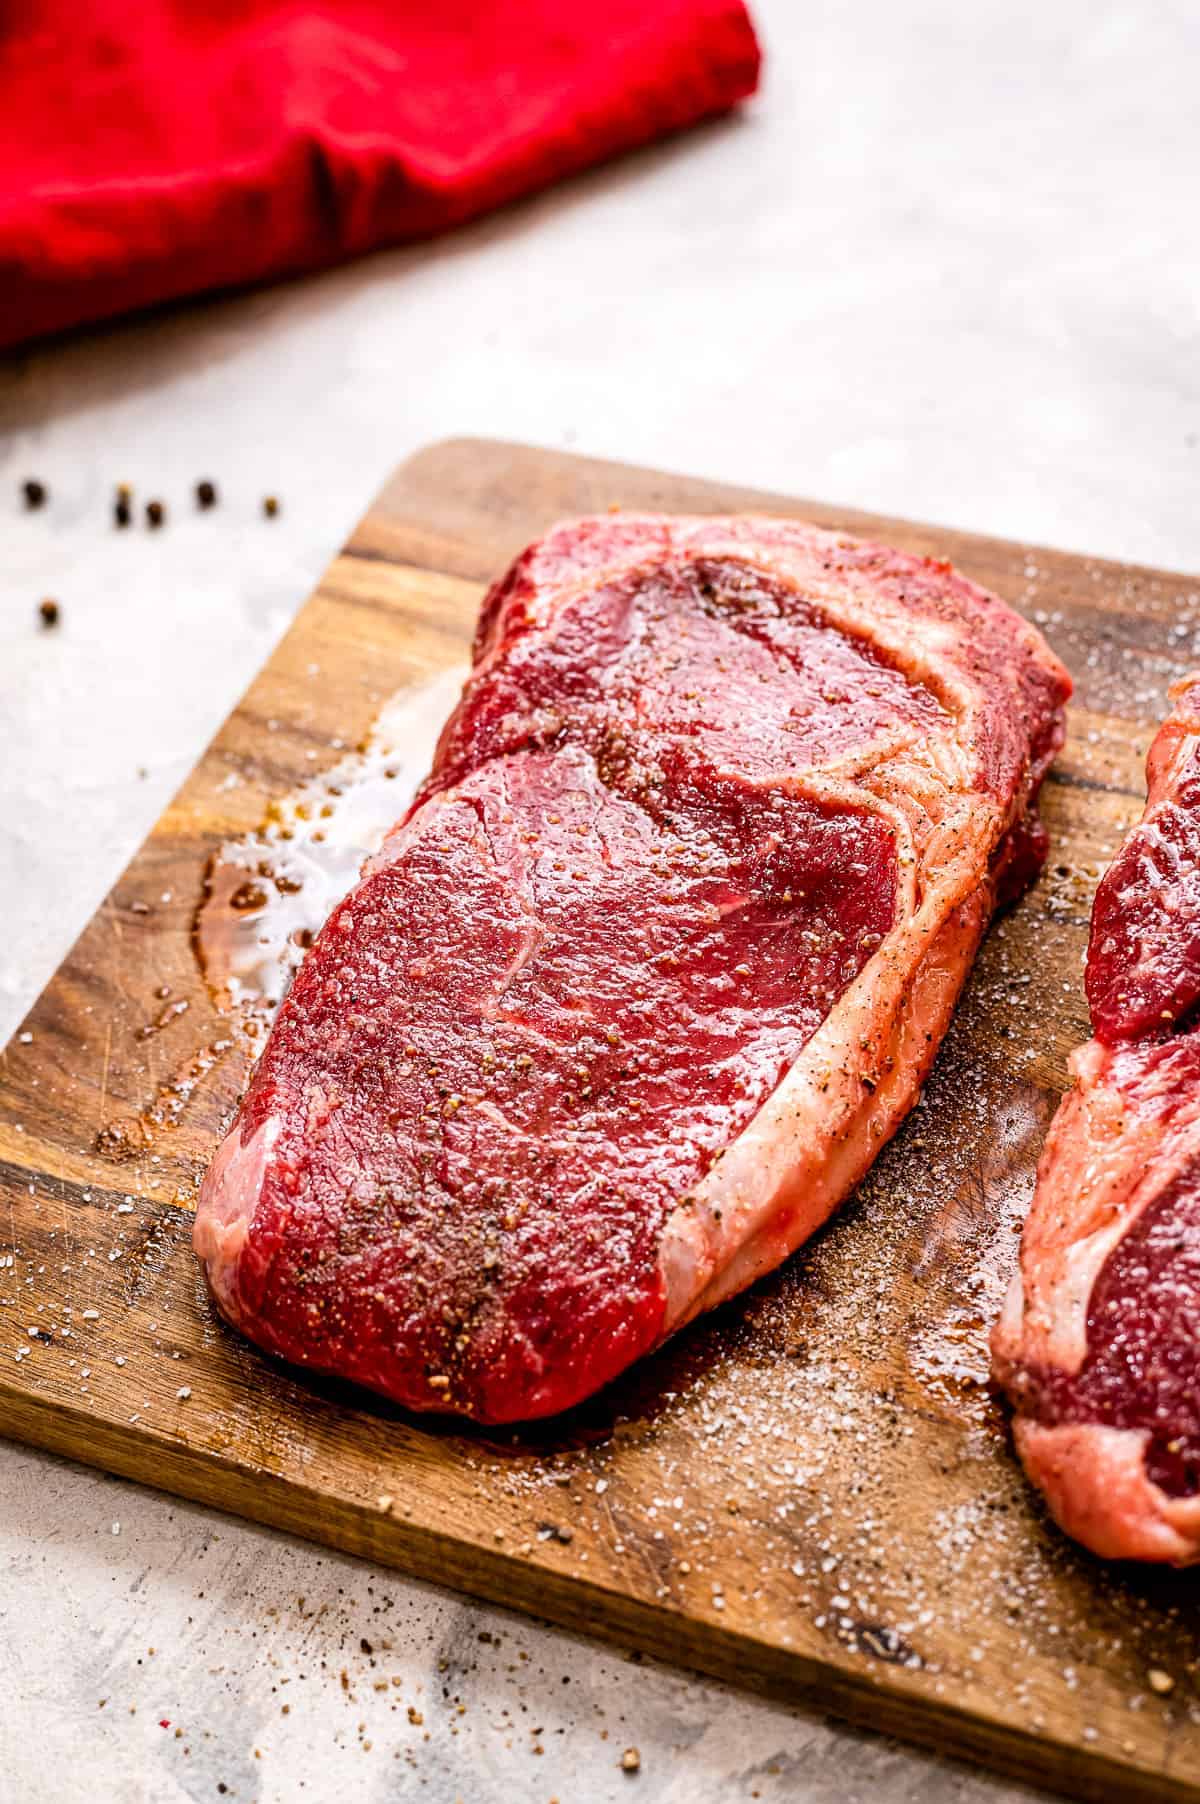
column 653, row 967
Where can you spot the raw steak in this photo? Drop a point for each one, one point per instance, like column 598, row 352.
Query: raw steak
column 653, row 967
column 1099, row 1343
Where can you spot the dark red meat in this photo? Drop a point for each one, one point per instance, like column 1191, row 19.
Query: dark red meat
column 1143, row 968
column 713, row 832
column 1100, row 1344
column 1143, row 1329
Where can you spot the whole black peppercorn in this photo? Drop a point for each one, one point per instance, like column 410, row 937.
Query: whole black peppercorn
column 271, row 506
column 34, row 493
column 156, row 513
column 206, row 494
column 49, row 611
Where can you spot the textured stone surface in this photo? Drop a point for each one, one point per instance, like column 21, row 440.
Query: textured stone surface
column 947, row 266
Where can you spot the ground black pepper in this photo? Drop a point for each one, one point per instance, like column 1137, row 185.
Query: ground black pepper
column 34, row 492
column 49, row 611
column 156, row 513
column 206, row 494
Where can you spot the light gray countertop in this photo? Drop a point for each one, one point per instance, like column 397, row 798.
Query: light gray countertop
column 948, row 266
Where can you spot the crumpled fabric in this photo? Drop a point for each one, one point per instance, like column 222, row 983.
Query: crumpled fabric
column 156, row 148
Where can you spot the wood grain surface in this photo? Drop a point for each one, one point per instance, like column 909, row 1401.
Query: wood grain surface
column 811, row 1491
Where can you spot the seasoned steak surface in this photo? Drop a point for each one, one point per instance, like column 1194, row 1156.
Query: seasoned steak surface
column 654, row 964
column 1099, row 1345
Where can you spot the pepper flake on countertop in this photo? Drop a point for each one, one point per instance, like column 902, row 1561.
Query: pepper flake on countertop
column 49, row 611
column 35, row 493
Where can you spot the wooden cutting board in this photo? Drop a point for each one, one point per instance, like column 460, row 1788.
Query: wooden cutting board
column 810, row 1492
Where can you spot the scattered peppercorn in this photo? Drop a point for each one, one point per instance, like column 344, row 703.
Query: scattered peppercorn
column 271, row 506
column 156, row 513
column 206, row 494
column 49, row 611
column 631, row 1761
column 34, row 493
column 122, row 512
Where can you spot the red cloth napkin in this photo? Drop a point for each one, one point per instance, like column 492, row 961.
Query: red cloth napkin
column 155, row 148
